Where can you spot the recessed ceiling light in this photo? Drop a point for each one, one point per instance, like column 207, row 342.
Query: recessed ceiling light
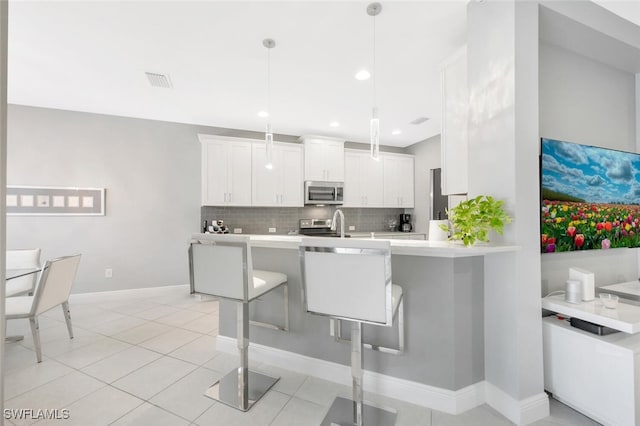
column 363, row 75
column 334, row 124
column 396, row 132
column 419, row 120
column 263, row 114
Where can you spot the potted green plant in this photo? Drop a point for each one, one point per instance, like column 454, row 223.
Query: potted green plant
column 472, row 219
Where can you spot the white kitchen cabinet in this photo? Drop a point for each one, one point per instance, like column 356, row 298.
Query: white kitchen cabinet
column 226, row 171
column 455, row 111
column 363, row 180
column 323, row 158
column 398, row 183
column 281, row 186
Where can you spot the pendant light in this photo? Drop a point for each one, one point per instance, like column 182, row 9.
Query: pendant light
column 374, row 10
column 268, row 135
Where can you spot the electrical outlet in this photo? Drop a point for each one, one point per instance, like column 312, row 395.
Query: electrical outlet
column 237, row 230
column 108, row 273
column 352, row 228
column 272, row 230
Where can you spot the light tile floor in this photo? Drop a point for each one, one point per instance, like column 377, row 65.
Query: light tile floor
column 145, row 358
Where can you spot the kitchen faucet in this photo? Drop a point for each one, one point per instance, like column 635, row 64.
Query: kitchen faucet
column 334, row 226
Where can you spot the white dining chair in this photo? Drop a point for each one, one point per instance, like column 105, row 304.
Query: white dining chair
column 53, row 289
column 22, row 259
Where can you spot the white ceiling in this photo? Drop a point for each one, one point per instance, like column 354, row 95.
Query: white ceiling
column 92, row 56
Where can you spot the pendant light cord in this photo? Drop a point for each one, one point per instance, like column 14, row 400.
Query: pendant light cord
column 374, row 63
column 269, row 86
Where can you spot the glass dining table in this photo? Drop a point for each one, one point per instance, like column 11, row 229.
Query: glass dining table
column 17, row 273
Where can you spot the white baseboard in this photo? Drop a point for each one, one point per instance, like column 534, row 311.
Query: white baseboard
column 82, row 297
column 520, row 412
column 448, row 401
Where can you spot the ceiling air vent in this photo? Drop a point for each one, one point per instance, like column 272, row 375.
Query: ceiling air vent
column 159, row 80
column 419, row 120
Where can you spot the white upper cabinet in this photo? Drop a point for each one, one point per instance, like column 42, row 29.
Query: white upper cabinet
column 281, row 186
column 398, row 186
column 363, row 180
column 323, row 158
column 226, row 171
column 455, row 111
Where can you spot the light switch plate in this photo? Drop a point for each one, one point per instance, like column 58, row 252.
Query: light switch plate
column 272, row 230
column 352, row 228
column 237, row 230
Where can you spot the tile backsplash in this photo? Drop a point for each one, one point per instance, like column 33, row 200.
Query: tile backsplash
column 258, row 220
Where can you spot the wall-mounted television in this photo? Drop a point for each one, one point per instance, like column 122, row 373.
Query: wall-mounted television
column 590, row 197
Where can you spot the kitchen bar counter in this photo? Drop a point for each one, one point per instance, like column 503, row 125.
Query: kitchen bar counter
column 443, row 285
column 400, row 247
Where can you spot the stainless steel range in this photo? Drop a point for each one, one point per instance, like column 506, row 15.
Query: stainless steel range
column 317, row 228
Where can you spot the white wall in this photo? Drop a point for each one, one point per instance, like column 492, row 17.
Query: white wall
column 427, row 157
column 503, row 162
column 151, row 171
column 587, row 102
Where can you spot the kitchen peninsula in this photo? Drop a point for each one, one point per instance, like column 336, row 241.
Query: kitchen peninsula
column 443, row 285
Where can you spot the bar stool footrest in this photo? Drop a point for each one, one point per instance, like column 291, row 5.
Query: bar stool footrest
column 226, row 389
column 341, row 413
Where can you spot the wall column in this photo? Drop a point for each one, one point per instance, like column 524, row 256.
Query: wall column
column 504, row 145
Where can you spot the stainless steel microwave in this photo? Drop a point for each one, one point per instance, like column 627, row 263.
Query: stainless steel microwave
column 323, row 192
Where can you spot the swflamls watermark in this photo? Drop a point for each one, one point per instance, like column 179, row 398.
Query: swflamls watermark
column 36, row 413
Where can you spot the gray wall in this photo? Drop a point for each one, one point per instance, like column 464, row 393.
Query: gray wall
column 151, row 172
column 586, row 102
column 427, row 157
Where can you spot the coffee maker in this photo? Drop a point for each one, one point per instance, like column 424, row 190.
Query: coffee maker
column 405, row 223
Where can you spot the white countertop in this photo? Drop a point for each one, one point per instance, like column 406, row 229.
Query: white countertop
column 399, row 247
column 383, row 234
column 625, row 317
column 630, row 290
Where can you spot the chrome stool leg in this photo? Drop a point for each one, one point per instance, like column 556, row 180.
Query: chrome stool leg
column 241, row 388
column 354, row 411
column 337, row 333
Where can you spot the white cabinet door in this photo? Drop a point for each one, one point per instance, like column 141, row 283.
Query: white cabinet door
column 363, row 180
column 314, row 167
column 352, row 193
column 239, row 174
column 281, row 186
column 372, row 181
column 214, row 175
column 226, row 171
column 398, row 180
column 291, row 176
column 334, row 161
column 455, row 107
column 406, row 182
column 264, row 181
column 391, row 180
column 323, row 159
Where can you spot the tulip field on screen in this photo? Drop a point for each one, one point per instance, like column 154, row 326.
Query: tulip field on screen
column 570, row 226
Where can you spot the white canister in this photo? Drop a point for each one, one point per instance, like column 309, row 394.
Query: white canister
column 574, row 291
column 435, row 232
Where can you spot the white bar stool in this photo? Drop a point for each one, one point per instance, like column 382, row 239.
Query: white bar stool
column 221, row 266
column 351, row 280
